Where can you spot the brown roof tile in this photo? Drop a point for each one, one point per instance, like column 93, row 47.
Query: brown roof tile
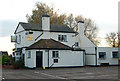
column 49, row 44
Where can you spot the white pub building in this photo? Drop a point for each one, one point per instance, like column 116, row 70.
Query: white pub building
column 47, row 45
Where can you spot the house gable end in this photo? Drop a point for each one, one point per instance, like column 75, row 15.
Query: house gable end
column 19, row 29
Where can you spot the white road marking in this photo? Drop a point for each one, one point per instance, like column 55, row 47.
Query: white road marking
column 3, row 78
column 94, row 76
column 53, row 76
column 89, row 73
column 36, row 72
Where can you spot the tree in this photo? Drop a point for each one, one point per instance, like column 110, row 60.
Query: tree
column 42, row 9
column 90, row 28
column 112, row 39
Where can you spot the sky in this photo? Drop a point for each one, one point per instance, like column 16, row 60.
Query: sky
column 103, row 12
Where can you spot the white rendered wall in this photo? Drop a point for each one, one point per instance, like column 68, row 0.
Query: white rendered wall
column 109, row 59
column 46, row 23
column 86, row 44
column 84, row 41
column 30, row 62
column 90, row 60
column 46, row 35
column 66, row 58
column 20, row 28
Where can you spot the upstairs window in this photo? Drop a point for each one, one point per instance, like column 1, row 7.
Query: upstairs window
column 62, row 38
column 102, row 55
column 55, row 54
column 27, row 33
column 19, row 38
column 29, row 54
column 115, row 54
column 30, row 32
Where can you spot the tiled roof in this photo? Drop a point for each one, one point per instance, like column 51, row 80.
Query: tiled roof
column 53, row 27
column 49, row 44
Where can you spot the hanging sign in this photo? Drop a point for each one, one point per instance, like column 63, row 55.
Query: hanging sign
column 13, row 38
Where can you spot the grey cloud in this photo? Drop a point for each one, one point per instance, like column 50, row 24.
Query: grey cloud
column 7, row 27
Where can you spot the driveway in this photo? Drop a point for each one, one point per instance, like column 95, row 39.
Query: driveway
column 108, row 72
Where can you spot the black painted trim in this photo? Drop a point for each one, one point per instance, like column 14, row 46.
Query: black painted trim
column 45, row 16
column 65, row 67
column 48, row 48
column 54, row 49
column 50, row 31
column 83, row 58
column 39, row 36
column 90, row 54
column 80, row 21
column 19, row 31
column 96, row 55
column 62, row 31
column 48, row 58
column 77, row 49
column 16, row 28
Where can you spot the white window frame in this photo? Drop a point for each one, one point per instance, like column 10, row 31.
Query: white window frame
column 56, row 54
column 62, row 38
column 117, row 54
column 29, row 54
column 76, row 44
column 103, row 54
column 18, row 39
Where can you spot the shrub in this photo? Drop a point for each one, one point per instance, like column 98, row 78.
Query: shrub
column 19, row 64
column 3, row 59
column 7, row 60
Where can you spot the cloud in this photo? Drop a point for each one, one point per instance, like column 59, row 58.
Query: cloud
column 7, row 27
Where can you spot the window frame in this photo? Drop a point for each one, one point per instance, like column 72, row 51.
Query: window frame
column 18, row 38
column 55, row 60
column 102, row 54
column 62, row 38
column 29, row 54
column 115, row 56
column 30, row 32
column 76, row 44
column 55, row 54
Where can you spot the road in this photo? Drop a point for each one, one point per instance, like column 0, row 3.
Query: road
column 106, row 72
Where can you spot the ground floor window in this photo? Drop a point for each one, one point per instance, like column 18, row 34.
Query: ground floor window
column 17, row 53
column 55, row 54
column 102, row 55
column 115, row 54
column 29, row 54
column 55, row 60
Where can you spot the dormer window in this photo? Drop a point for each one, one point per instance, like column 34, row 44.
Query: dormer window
column 62, row 38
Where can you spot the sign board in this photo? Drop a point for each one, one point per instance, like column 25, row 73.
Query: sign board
column 30, row 38
column 13, row 38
